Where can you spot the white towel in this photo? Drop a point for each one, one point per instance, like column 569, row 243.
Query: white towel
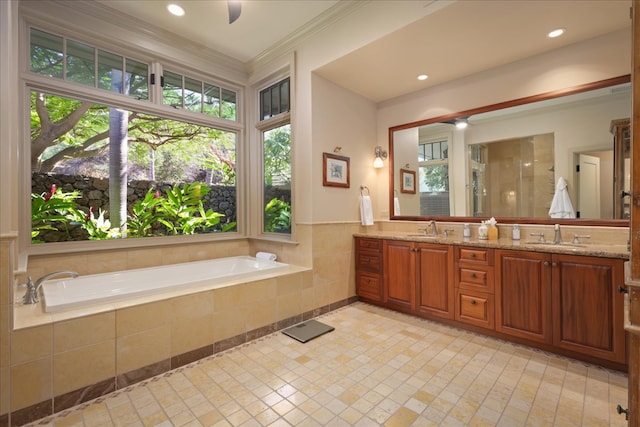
column 366, row 211
column 396, row 206
column 266, row 255
column 561, row 206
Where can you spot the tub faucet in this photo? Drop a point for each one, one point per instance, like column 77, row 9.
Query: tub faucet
column 434, row 228
column 31, row 296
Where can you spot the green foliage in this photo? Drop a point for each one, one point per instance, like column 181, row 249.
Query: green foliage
column 143, row 215
column 53, row 207
column 436, row 178
column 277, row 156
column 277, row 216
column 99, row 228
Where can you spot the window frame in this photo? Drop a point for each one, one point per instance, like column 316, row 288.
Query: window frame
column 261, row 126
column 30, row 81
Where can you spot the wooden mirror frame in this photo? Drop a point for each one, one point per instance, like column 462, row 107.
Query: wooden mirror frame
column 521, row 101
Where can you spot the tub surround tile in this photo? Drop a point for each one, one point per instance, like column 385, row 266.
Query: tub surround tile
column 191, row 334
column 132, row 377
column 31, row 344
column 74, row 369
column 31, row 383
column 228, row 343
column 85, row 394
column 75, row 333
column 142, row 349
column 101, row 262
column 191, row 356
column 31, row 413
column 136, row 319
column 261, row 332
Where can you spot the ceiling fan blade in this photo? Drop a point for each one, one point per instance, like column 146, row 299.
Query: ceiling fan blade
column 234, row 10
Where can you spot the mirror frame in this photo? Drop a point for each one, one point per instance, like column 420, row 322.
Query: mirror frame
column 520, row 101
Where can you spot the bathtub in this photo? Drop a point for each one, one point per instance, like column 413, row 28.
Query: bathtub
column 68, row 293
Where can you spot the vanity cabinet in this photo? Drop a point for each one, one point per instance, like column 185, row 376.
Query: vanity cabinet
column 523, row 289
column 474, row 286
column 587, row 308
column 419, row 277
column 570, row 302
column 369, row 269
column 558, row 302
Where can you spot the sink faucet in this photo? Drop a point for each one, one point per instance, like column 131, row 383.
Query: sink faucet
column 557, row 236
column 434, row 228
column 31, row 296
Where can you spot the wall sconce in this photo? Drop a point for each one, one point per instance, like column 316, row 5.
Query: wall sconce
column 462, row 122
column 380, row 155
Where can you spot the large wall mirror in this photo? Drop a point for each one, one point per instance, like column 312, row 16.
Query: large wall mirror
column 560, row 157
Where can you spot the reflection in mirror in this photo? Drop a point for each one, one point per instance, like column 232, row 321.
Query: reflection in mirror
column 509, row 160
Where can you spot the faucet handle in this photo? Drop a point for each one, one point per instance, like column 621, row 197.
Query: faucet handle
column 540, row 237
column 576, row 239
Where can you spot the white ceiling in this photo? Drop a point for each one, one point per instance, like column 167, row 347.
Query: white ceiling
column 460, row 39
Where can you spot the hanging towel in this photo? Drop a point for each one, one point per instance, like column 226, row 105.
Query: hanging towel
column 396, row 206
column 366, row 211
column 561, row 206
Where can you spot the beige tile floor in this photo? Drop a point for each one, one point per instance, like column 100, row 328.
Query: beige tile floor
column 377, row 368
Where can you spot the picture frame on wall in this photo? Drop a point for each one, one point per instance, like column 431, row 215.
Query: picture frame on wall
column 408, row 180
column 335, row 170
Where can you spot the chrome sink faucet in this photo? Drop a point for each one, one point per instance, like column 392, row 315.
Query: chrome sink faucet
column 557, row 235
column 31, row 296
column 434, row 228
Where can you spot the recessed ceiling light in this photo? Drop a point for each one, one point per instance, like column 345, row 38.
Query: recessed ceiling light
column 175, row 9
column 556, row 33
column 423, row 77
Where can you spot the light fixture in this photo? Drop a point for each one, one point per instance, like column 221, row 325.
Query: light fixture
column 175, row 9
column 380, row 154
column 423, row 77
column 556, row 33
column 462, row 122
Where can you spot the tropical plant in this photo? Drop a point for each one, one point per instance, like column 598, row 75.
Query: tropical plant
column 53, row 207
column 99, row 228
column 277, row 216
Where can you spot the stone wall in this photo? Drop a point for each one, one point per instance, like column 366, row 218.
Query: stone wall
column 95, row 194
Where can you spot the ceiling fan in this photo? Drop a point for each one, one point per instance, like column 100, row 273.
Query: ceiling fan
column 234, row 7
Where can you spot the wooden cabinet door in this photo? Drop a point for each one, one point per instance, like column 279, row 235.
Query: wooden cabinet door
column 523, row 294
column 587, row 308
column 435, row 293
column 399, row 274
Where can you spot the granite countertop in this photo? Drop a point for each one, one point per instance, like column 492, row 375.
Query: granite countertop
column 604, row 250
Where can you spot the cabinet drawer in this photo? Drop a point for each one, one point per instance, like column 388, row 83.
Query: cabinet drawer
column 369, row 260
column 476, row 308
column 475, row 255
column 475, row 278
column 369, row 286
column 369, row 244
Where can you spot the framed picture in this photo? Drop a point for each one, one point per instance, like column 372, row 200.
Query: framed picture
column 335, row 171
column 408, row 179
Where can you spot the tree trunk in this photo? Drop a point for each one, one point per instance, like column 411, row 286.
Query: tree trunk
column 118, row 151
column 152, row 164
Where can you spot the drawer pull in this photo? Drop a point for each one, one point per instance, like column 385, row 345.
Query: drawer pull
column 623, row 290
column 473, row 302
column 473, row 275
column 472, row 255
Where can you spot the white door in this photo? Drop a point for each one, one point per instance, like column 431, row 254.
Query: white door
column 589, row 187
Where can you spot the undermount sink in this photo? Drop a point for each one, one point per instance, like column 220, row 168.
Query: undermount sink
column 427, row 236
column 555, row 245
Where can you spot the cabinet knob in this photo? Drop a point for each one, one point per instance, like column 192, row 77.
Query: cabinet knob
column 623, row 290
column 473, row 275
column 554, row 264
column 472, row 255
column 473, row 302
column 546, row 263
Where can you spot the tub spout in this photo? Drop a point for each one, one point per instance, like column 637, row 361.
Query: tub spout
column 31, row 296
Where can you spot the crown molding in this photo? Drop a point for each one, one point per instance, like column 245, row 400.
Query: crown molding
column 321, row 22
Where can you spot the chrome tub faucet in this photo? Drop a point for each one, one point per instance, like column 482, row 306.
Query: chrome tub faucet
column 31, row 296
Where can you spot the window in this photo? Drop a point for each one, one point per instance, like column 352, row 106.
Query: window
column 107, row 167
column 276, row 160
column 433, row 161
column 197, row 96
column 76, row 62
